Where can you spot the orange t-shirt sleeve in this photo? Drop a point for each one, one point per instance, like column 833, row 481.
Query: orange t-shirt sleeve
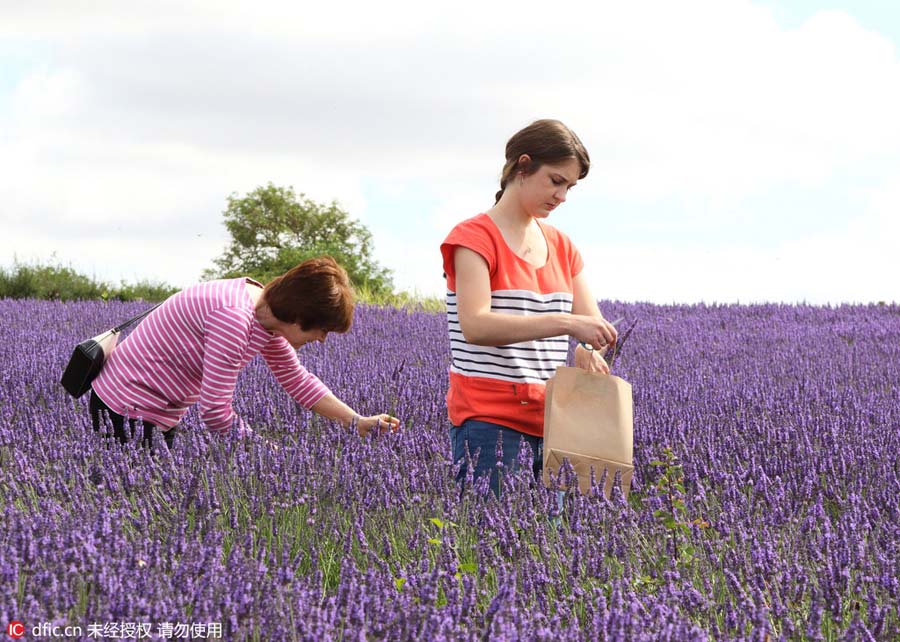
column 570, row 254
column 575, row 260
column 567, row 255
column 474, row 236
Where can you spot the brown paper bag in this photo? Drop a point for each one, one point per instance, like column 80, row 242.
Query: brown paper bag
column 588, row 420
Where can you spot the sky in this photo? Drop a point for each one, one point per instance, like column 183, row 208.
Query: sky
column 741, row 151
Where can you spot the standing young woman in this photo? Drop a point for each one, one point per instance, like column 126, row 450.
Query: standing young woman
column 515, row 293
column 192, row 347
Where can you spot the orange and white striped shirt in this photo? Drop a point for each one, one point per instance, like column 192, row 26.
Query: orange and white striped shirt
column 506, row 384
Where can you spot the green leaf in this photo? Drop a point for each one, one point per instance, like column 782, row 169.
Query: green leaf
column 468, row 567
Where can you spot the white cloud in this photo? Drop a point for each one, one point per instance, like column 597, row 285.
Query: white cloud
column 857, row 264
column 143, row 118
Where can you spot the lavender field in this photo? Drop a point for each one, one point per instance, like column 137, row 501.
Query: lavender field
column 765, row 503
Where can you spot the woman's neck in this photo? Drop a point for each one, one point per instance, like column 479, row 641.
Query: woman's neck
column 509, row 215
column 261, row 309
column 266, row 319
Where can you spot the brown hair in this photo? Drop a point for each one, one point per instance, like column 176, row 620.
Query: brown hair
column 315, row 294
column 545, row 141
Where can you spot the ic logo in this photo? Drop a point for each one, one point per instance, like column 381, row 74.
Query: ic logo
column 15, row 629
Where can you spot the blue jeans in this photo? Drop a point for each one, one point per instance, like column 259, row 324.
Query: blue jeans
column 481, row 437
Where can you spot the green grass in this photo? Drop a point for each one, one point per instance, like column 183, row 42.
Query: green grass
column 411, row 301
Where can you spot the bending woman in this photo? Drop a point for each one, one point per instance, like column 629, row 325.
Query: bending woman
column 515, row 292
column 192, row 347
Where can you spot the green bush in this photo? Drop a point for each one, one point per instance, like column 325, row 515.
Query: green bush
column 144, row 291
column 24, row 281
column 273, row 229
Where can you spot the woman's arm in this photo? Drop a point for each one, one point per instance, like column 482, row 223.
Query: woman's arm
column 480, row 326
column 224, row 339
column 584, row 303
column 307, row 390
column 331, row 407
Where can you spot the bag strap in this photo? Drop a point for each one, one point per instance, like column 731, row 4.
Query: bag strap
column 135, row 319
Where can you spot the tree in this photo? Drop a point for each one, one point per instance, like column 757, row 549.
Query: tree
column 272, row 230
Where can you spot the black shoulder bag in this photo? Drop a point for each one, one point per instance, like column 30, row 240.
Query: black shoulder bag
column 89, row 356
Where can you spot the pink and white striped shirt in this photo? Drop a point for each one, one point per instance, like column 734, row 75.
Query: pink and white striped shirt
column 190, row 349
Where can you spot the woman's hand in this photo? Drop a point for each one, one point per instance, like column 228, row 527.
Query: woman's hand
column 591, row 360
column 594, row 331
column 333, row 408
column 376, row 423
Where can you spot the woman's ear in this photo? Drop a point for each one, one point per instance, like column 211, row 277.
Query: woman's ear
column 523, row 164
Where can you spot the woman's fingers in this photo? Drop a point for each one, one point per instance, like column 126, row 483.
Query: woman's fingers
column 591, row 360
column 609, row 332
column 600, row 365
column 379, row 423
column 389, row 423
column 597, row 332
